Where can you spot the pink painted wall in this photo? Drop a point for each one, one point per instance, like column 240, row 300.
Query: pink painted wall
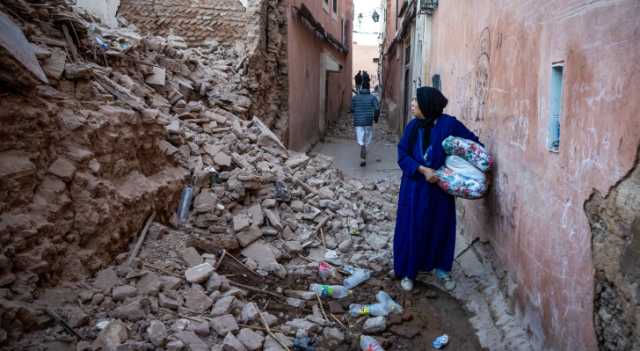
column 304, row 52
column 495, row 59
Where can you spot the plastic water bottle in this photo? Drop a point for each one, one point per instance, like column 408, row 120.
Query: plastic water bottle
column 357, row 277
column 326, row 270
column 391, row 305
column 440, row 342
column 185, row 204
column 368, row 343
column 335, row 291
column 375, row 310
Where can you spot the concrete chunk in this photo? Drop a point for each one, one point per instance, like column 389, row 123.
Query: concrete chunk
column 240, row 221
column 230, row 343
column 157, row 333
column 123, row 292
column 15, row 163
column 158, row 77
column 274, row 218
column 249, row 235
column 62, row 168
column 222, row 159
column 196, row 299
column 191, row 256
column 192, row 341
column 223, row 306
column 251, row 339
column 199, row 273
column 224, row 324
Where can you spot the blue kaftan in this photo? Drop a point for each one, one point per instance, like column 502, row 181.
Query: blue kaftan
column 425, row 233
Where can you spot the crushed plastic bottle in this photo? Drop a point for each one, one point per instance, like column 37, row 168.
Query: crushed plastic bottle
column 335, row 291
column 440, row 342
column 326, row 270
column 185, row 204
column 303, row 344
column 388, row 301
column 375, row 310
column 213, row 175
column 101, row 43
column 369, row 343
column 357, row 277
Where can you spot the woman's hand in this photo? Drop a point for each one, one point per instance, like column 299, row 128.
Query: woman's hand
column 429, row 174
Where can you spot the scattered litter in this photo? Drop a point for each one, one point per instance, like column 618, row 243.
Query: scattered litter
column 303, row 343
column 369, row 343
column 326, row 270
column 376, row 310
column 357, row 277
column 185, row 204
column 101, row 324
column 335, row 291
column 387, row 300
column 440, row 342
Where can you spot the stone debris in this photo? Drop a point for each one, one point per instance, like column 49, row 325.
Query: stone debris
column 250, row 339
column 231, row 343
column 123, row 292
column 224, row 324
column 136, row 123
column 112, row 336
column 157, row 333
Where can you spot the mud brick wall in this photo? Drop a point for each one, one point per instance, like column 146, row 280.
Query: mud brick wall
column 196, row 20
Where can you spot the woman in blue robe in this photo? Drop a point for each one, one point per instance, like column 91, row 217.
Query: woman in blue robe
column 425, row 230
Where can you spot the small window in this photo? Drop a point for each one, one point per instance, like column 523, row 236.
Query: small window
column 335, row 6
column 555, row 107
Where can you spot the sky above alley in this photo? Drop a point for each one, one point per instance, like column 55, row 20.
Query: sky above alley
column 365, row 30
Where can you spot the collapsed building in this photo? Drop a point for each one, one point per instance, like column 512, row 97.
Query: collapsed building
column 105, row 133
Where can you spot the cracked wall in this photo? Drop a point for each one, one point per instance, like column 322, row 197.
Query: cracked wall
column 496, row 70
column 615, row 230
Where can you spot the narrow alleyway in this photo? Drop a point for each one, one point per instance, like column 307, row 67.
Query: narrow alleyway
column 341, row 146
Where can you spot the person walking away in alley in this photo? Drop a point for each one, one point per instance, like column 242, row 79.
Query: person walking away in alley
column 364, row 107
column 366, row 79
column 425, row 230
column 358, row 81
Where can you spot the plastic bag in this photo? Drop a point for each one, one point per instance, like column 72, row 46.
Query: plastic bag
column 470, row 151
column 458, row 185
column 462, row 167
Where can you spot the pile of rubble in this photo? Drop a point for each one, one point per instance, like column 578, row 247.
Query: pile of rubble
column 107, row 130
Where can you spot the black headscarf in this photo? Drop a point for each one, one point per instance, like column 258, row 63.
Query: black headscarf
column 431, row 103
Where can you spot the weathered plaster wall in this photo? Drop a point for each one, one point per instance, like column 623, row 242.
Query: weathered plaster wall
column 304, row 52
column 393, row 89
column 495, row 58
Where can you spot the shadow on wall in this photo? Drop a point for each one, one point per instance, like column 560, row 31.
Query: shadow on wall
column 615, row 231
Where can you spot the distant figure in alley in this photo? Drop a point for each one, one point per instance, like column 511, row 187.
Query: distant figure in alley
column 364, row 109
column 358, row 79
column 366, row 79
